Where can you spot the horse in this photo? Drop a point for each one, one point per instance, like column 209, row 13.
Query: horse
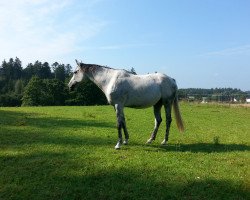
column 125, row 89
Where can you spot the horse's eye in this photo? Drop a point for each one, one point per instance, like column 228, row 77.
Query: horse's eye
column 75, row 72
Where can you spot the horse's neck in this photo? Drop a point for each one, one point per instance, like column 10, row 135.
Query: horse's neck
column 102, row 77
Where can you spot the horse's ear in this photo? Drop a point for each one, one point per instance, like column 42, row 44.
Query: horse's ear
column 78, row 63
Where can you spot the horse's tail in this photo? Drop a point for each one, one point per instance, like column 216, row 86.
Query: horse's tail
column 177, row 113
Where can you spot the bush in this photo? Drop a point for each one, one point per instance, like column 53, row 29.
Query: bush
column 44, row 92
column 10, row 100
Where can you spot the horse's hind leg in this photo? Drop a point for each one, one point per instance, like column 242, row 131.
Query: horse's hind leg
column 125, row 131
column 158, row 120
column 168, row 108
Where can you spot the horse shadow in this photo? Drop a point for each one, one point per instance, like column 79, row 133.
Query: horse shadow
column 198, row 148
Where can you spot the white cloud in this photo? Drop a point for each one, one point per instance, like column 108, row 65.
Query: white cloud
column 44, row 29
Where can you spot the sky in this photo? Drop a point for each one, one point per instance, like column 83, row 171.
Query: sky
column 200, row 43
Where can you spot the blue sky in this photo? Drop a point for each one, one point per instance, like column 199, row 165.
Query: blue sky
column 200, row 43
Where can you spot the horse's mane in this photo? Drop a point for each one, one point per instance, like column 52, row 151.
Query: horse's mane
column 93, row 67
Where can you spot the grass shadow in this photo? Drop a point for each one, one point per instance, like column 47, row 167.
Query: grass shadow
column 13, row 139
column 135, row 185
column 17, row 129
column 31, row 119
column 46, row 176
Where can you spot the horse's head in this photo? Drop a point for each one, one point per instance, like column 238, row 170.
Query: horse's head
column 78, row 75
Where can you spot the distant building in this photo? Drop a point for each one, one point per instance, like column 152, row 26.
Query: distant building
column 247, row 100
column 204, row 99
column 191, row 98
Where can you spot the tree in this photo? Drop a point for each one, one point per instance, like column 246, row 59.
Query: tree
column 60, row 73
column 55, row 91
column 34, row 93
column 7, row 69
column 10, row 99
column 68, row 70
column 42, row 90
column 45, row 71
column 86, row 93
column 19, row 86
column 41, row 70
column 29, row 71
column 11, row 70
column 17, row 69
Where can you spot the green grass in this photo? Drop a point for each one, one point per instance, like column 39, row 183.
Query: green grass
column 68, row 153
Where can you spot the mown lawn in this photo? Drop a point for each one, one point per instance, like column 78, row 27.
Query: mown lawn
column 68, row 153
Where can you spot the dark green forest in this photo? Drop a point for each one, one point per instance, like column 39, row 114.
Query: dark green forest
column 42, row 84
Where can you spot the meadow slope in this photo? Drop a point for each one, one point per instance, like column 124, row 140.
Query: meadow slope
column 68, row 153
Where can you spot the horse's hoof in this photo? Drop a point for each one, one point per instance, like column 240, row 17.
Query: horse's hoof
column 118, row 146
column 149, row 141
column 164, row 142
column 125, row 142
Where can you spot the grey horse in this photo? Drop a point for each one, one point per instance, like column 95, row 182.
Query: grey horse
column 124, row 89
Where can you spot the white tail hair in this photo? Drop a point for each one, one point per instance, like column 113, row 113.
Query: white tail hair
column 179, row 121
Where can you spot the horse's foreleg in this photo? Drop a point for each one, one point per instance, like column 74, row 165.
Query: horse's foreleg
column 158, row 120
column 168, row 122
column 121, row 124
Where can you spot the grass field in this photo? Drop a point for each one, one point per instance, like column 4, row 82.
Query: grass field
column 68, row 153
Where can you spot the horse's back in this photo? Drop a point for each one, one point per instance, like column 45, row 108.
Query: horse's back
column 162, row 84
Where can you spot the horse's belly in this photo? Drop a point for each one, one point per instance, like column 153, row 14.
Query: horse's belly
column 143, row 99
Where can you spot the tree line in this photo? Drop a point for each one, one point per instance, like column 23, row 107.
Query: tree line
column 214, row 94
column 42, row 84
